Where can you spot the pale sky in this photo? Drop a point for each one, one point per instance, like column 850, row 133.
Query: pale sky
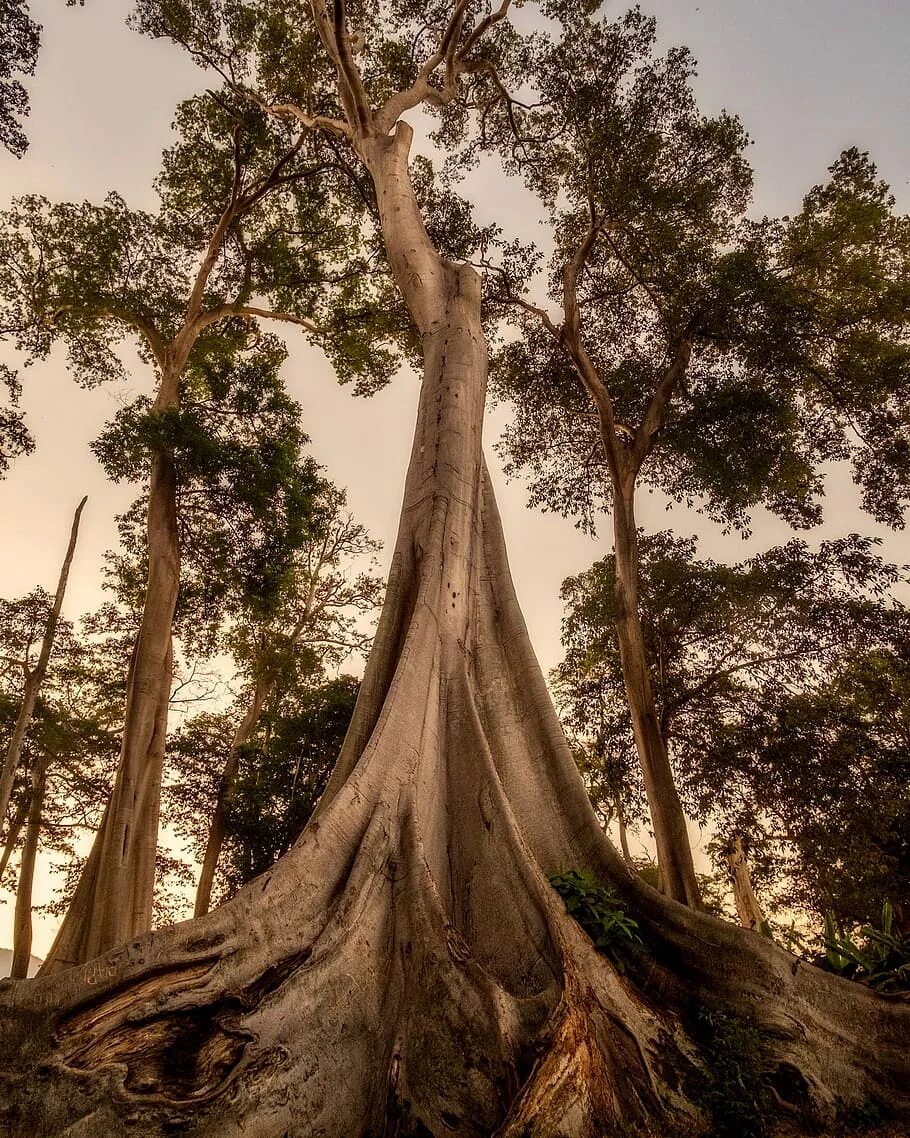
column 808, row 77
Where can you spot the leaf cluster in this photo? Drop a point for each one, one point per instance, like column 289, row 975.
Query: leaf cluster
column 600, row 913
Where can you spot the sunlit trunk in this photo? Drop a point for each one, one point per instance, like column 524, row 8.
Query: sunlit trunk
column 748, row 908
column 113, row 900
column 406, row 969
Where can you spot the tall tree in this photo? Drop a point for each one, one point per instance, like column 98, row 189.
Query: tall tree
column 407, row 966
column 185, row 281
column 682, row 346
column 753, row 665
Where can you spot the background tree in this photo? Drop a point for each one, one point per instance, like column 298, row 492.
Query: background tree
column 35, row 671
column 70, row 749
column 312, row 621
column 752, row 665
column 409, row 948
column 692, row 350
column 279, row 772
column 185, row 280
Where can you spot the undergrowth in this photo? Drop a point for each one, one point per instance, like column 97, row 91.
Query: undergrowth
column 600, row 913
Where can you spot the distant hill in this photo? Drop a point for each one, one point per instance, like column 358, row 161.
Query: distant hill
column 6, row 962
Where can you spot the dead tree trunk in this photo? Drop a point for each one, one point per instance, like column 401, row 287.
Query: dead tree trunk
column 748, row 908
column 406, row 969
column 22, row 920
column 35, row 677
column 113, row 900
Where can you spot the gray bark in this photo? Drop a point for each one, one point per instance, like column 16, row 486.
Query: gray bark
column 674, row 852
column 406, row 969
column 113, row 900
column 22, row 919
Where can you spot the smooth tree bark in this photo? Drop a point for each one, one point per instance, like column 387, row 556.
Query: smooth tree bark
column 625, row 452
column 406, row 969
column 113, row 901
column 34, row 677
column 22, row 918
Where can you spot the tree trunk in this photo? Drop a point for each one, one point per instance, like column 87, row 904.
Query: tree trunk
column 748, row 909
column 217, row 830
column 12, row 835
column 35, row 678
column 113, row 900
column 674, row 853
column 623, row 829
column 22, row 921
column 406, row 970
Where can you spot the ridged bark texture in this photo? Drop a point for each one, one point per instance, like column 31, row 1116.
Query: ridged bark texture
column 406, row 969
column 113, row 900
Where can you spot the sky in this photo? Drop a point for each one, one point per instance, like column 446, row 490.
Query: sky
column 808, row 78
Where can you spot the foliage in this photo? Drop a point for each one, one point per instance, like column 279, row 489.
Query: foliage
column 19, row 40
column 781, row 688
column 76, row 723
column 730, row 1087
column 719, row 359
column 600, row 913
column 283, row 771
column 246, row 498
column 879, row 957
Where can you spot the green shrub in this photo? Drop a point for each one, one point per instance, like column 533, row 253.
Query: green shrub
column 730, row 1087
column 877, row 957
column 600, row 913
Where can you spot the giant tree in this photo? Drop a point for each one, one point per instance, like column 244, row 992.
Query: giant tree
column 248, row 211
column 682, row 346
column 407, row 967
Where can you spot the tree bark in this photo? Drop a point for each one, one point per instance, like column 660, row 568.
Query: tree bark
column 12, row 835
column 748, row 909
column 22, row 920
column 35, row 677
column 113, row 900
column 674, row 853
column 218, row 828
column 406, row 969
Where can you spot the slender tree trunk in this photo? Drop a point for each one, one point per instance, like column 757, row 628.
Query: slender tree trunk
column 35, row 678
column 113, row 900
column 748, row 908
column 243, row 734
column 12, row 835
column 22, row 921
column 406, row 970
column 622, row 827
column 674, row 853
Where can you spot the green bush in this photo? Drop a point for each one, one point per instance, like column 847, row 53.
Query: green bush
column 879, row 957
column 600, row 913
